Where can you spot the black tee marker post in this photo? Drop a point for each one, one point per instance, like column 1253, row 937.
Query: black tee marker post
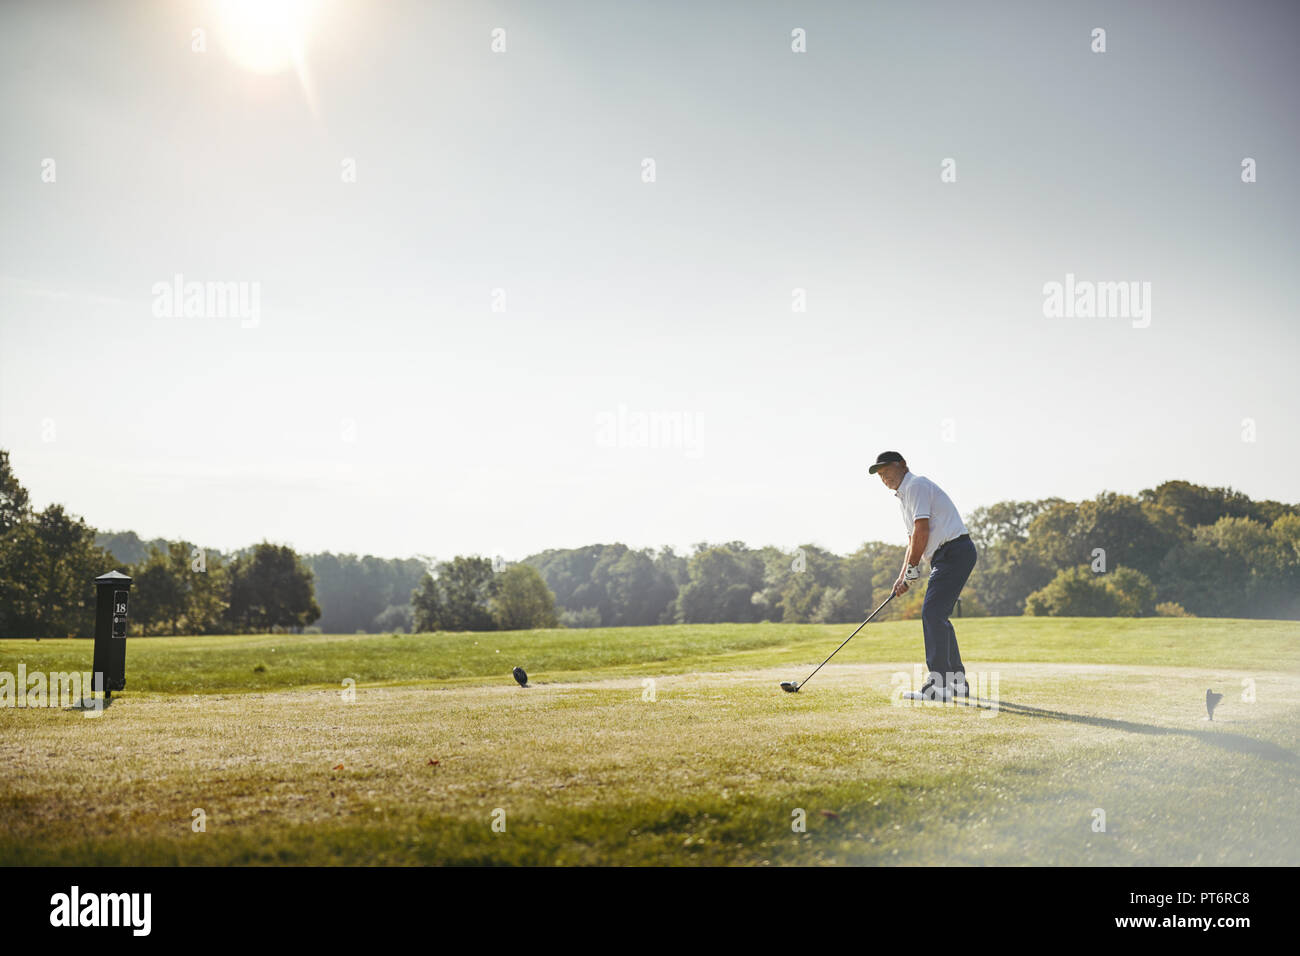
column 111, row 591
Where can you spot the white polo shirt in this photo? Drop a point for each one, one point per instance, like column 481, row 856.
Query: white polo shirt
column 919, row 497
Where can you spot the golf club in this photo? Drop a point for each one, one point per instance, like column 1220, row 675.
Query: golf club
column 792, row 686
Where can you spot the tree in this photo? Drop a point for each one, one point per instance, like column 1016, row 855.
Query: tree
column 126, row 547
column 723, row 583
column 572, row 576
column 1134, row 592
column 884, row 571
column 71, row 562
column 1196, row 505
column 396, row 619
column 638, row 592
column 173, row 587
column 209, row 592
column 675, row 570
column 458, row 598
column 271, row 588
column 1065, row 534
column 426, row 605
column 354, row 591
column 1081, row 592
column 523, row 601
column 1203, row 579
column 48, row 564
column 587, row 617
column 21, row 611
column 626, row 587
column 160, row 594
column 1006, row 574
column 1005, row 521
column 1074, row 592
column 1236, row 567
column 807, row 577
column 1286, row 534
column 856, row 597
column 14, row 503
column 468, row 586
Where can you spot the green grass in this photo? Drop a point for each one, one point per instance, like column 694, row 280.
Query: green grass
column 1093, row 713
column 227, row 664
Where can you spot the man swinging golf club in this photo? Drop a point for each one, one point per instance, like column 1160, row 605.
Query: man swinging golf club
column 935, row 534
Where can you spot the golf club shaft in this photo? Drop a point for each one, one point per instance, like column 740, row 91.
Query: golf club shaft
column 847, row 639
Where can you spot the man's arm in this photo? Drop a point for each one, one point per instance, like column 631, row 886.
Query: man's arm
column 915, row 549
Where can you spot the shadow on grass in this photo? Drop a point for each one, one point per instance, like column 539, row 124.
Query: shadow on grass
column 1224, row 740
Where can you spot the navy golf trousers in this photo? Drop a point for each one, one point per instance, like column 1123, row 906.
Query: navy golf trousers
column 950, row 566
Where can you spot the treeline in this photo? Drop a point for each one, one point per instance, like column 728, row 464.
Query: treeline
column 364, row 593
column 183, row 589
column 354, row 594
column 1176, row 549
column 615, row 586
column 471, row 594
column 49, row 560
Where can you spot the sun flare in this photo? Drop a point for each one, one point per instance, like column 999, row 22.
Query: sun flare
column 264, row 36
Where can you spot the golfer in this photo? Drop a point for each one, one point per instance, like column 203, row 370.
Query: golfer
column 935, row 534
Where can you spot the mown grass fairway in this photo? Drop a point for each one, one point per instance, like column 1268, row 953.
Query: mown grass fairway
column 1092, row 714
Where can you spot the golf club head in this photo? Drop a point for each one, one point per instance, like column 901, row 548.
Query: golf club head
column 790, row 686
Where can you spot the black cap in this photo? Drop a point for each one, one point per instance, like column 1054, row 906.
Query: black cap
column 884, row 458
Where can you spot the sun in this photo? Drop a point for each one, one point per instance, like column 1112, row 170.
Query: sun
column 265, row 36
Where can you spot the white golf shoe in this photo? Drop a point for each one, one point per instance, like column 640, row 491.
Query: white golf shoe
column 932, row 690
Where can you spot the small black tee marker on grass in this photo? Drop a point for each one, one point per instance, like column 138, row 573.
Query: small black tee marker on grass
column 1212, row 701
column 520, row 676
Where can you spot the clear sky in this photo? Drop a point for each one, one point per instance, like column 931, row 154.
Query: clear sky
column 379, row 404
